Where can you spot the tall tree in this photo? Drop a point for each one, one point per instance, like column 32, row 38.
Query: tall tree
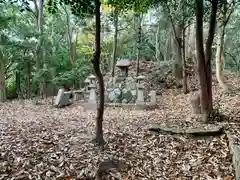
column 226, row 11
column 204, row 59
column 115, row 19
column 83, row 8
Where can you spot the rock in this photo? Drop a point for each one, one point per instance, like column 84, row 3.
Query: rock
column 199, row 131
column 62, row 98
column 111, row 96
column 153, row 97
column 127, row 95
column 235, row 150
column 117, row 92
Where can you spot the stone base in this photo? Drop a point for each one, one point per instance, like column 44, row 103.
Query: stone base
column 126, row 106
column 90, row 106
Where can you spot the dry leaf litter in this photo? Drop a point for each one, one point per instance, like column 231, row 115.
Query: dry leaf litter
column 42, row 142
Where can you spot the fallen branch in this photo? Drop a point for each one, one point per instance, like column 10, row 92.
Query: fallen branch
column 199, row 131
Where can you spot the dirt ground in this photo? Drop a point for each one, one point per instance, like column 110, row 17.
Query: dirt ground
column 42, row 142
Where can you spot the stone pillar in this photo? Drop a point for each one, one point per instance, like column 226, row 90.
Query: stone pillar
column 140, row 90
column 92, row 102
column 140, row 95
column 59, row 96
column 86, row 90
column 92, row 95
column 153, row 97
column 92, row 79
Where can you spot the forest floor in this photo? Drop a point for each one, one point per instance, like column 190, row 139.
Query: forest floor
column 39, row 141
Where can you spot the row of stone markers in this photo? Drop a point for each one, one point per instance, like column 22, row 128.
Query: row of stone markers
column 129, row 92
column 89, row 97
column 86, row 94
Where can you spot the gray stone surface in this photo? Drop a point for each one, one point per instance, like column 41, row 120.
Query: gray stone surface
column 234, row 147
column 92, row 94
column 78, row 95
column 62, row 98
column 140, row 95
column 153, row 97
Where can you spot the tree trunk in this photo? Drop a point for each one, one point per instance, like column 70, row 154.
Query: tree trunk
column 167, row 53
column 177, row 64
column 204, row 60
column 18, row 84
column 219, row 54
column 73, row 45
column 157, row 46
column 220, row 49
column 28, row 80
column 39, row 53
column 184, row 75
column 96, row 66
column 2, row 81
column 139, row 37
column 115, row 42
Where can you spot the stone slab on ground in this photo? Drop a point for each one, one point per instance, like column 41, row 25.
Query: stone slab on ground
column 234, row 146
column 126, row 106
column 63, row 98
column 89, row 106
column 204, row 130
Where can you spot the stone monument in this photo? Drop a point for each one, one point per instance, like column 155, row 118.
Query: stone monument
column 124, row 64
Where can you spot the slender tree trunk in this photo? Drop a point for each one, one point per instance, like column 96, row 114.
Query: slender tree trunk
column 157, row 45
column 73, row 45
column 167, row 48
column 40, row 51
column 208, row 50
column 18, row 84
column 201, row 58
column 139, row 19
column 220, row 50
column 2, row 81
column 28, row 80
column 219, row 54
column 185, row 87
column 115, row 42
column 177, row 64
column 204, row 60
column 96, row 66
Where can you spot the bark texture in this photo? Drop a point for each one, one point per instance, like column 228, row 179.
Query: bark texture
column 2, row 81
column 204, row 59
column 139, row 38
column 96, row 66
column 39, row 51
column 184, row 75
column 220, row 49
column 177, row 64
column 115, row 42
column 157, row 46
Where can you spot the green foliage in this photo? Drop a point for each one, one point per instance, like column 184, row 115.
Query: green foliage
column 11, row 88
column 83, row 8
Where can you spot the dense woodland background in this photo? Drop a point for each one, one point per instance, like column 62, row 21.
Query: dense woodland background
column 56, row 48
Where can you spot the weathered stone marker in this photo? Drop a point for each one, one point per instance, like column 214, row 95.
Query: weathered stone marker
column 124, row 64
column 140, row 90
column 153, row 97
column 92, row 102
column 140, row 95
column 195, row 102
column 78, row 95
column 92, row 95
column 86, row 89
column 62, row 98
column 92, row 79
